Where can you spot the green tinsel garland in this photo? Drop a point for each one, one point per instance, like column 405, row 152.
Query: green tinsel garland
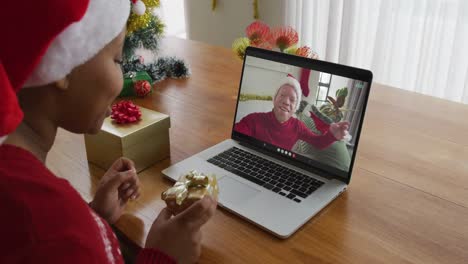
column 147, row 38
column 146, row 32
column 164, row 67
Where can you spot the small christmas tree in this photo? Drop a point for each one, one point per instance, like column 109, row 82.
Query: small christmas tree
column 144, row 32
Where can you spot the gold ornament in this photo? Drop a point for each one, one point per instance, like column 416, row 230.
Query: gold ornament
column 256, row 15
column 213, row 5
column 255, row 8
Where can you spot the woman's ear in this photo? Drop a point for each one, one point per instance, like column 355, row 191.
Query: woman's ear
column 62, row 84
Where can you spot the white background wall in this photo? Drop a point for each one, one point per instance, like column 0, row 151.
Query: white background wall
column 173, row 15
column 229, row 20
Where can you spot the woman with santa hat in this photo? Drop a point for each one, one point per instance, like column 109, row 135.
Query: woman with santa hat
column 60, row 67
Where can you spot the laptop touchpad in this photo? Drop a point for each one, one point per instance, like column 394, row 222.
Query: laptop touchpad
column 233, row 191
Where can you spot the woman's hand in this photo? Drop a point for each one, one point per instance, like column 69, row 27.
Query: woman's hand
column 119, row 184
column 180, row 236
column 339, row 130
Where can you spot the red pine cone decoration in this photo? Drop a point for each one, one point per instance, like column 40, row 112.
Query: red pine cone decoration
column 142, row 88
column 125, row 112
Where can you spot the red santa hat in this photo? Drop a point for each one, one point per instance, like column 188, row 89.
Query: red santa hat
column 290, row 80
column 45, row 40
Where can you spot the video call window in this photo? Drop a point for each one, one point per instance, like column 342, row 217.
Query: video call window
column 314, row 115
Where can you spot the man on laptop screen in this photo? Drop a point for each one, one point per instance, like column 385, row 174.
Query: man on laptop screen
column 270, row 108
column 280, row 128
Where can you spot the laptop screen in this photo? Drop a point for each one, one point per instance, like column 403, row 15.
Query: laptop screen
column 309, row 114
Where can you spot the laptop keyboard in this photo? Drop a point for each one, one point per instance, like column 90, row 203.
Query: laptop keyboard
column 272, row 176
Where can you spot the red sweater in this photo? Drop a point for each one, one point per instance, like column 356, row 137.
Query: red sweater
column 265, row 127
column 44, row 220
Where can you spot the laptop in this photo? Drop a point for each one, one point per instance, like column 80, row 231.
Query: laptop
column 271, row 171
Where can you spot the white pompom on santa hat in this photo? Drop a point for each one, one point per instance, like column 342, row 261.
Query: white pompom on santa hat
column 138, row 7
column 48, row 40
column 290, row 80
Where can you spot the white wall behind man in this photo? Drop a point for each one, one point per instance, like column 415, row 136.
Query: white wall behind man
column 337, row 82
column 263, row 77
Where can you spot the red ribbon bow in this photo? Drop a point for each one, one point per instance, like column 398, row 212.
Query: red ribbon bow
column 125, row 112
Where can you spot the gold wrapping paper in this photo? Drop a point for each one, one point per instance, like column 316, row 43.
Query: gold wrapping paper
column 145, row 142
column 188, row 189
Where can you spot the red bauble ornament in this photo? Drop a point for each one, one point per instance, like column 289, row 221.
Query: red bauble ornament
column 125, row 112
column 142, row 88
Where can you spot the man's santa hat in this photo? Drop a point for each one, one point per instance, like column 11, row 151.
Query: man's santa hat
column 290, row 80
column 45, row 40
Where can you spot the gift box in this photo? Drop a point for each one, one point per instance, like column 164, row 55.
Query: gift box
column 129, row 81
column 145, row 141
column 188, row 189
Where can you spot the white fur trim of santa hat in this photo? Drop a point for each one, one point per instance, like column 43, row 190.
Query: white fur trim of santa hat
column 290, row 80
column 78, row 43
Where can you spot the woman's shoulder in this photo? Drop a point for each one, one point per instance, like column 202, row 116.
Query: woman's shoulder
column 36, row 196
column 21, row 171
column 17, row 163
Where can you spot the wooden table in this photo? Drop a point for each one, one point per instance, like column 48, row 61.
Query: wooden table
column 408, row 198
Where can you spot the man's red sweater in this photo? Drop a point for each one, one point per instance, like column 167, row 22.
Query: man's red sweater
column 44, row 220
column 265, row 127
